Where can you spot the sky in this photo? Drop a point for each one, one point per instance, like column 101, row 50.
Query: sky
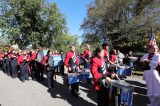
column 74, row 11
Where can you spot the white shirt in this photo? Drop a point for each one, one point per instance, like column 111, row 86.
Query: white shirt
column 154, row 60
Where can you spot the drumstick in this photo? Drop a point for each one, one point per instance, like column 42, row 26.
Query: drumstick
column 117, row 76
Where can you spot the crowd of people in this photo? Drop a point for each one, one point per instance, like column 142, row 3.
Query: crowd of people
column 24, row 64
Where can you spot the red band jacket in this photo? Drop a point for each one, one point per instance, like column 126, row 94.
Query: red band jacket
column 98, row 70
column 106, row 55
column 113, row 59
column 71, row 60
column 44, row 61
column 34, row 55
column 87, row 55
column 11, row 55
column 23, row 58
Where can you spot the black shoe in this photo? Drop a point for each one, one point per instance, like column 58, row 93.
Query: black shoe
column 49, row 89
column 75, row 95
column 33, row 79
column 42, row 79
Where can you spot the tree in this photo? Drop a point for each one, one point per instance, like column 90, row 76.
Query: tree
column 62, row 42
column 4, row 40
column 35, row 22
column 123, row 22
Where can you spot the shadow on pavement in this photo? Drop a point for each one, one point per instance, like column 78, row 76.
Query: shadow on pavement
column 61, row 91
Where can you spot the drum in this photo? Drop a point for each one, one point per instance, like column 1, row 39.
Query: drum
column 73, row 78
column 126, row 92
column 122, row 71
column 85, row 74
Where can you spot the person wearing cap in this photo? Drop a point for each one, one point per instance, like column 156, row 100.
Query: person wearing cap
column 72, row 62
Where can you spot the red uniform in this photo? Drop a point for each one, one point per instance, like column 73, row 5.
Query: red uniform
column 34, row 55
column 23, row 58
column 87, row 55
column 113, row 58
column 106, row 55
column 71, row 60
column 20, row 59
column 44, row 61
column 11, row 55
column 1, row 56
column 98, row 71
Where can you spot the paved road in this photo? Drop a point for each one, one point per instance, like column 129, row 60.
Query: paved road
column 31, row 93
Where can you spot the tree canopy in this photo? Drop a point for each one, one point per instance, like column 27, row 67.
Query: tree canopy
column 122, row 22
column 35, row 22
column 63, row 42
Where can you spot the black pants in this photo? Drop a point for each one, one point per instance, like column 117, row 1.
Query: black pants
column 103, row 96
column 24, row 71
column 40, row 70
column 74, row 89
column 4, row 67
column 61, row 67
column 14, row 68
column 1, row 64
column 50, row 78
column 33, row 69
column 8, row 66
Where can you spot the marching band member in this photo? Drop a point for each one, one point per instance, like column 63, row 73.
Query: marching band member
column 13, row 64
column 33, row 64
column 113, row 60
column 72, row 62
column 101, row 77
column 1, row 59
column 8, row 64
column 4, row 67
column 44, row 62
column 87, row 56
column 24, row 63
column 105, row 47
